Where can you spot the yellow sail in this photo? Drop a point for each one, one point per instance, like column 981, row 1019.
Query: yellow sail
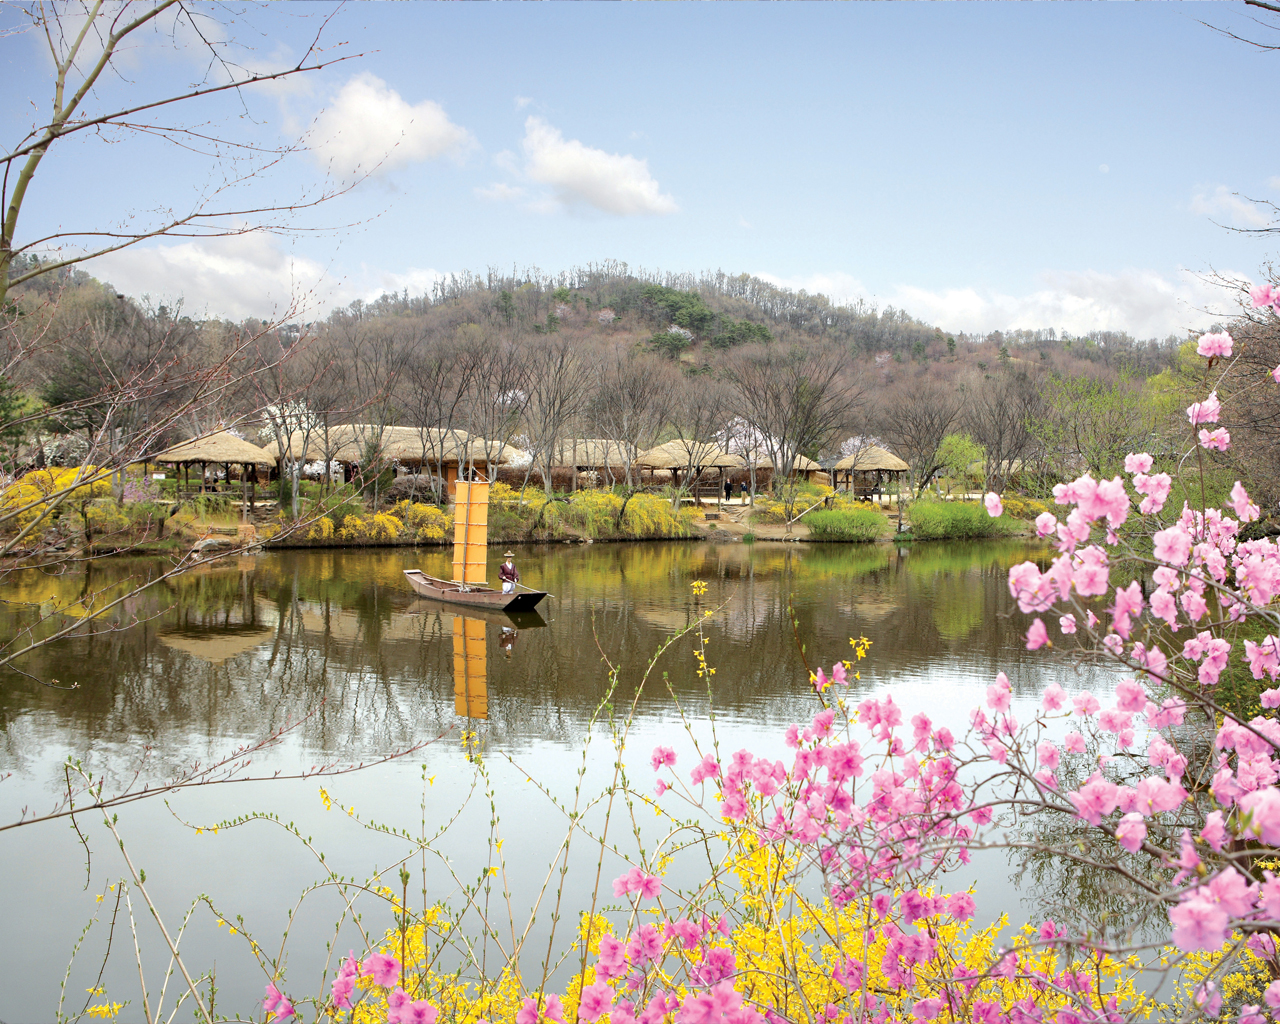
column 471, row 532
column 470, row 693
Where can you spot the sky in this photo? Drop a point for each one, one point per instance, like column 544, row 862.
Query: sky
column 981, row 166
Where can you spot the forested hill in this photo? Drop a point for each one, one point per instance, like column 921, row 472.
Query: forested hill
column 691, row 317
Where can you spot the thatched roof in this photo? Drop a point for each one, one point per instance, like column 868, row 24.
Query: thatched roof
column 873, row 457
column 350, row 442
column 682, row 454
column 802, row 464
column 592, row 452
column 223, row 446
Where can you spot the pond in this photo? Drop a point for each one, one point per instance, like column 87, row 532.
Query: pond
column 334, row 644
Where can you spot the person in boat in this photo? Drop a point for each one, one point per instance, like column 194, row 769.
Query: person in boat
column 508, row 573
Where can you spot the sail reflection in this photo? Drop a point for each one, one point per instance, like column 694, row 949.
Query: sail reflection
column 470, row 664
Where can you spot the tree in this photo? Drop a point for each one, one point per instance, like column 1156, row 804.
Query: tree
column 561, row 384
column 797, row 400
column 1093, row 422
column 632, row 403
column 915, row 422
column 84, row 42
column 999, row 415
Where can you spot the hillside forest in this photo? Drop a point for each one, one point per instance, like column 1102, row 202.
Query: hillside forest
column 606, row 351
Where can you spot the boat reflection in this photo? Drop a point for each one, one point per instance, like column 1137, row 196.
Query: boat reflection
column 511, row 620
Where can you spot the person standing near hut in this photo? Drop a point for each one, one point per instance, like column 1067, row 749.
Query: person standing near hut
column 508, row 574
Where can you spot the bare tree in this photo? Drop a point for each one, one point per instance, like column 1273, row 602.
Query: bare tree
column 85, row 40
column 999, row 414
column 633, row 402
column 797, row 400
column 916, row 419
column 560, row 384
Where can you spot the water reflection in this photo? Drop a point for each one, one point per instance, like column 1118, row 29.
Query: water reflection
column 240, row 648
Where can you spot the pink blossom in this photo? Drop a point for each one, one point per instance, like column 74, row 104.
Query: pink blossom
column 1173, row 545
column 650, row 887
column 1053, row 697
column 1037, row 636
column 994, row 508
column 1073, row 742
column 1047, row 755
column 1046, row 523
column 1211, row 345
column 662, row 756
column 385, row 970
column 1262, row 295
column 1214, row 832
column 1245, row 509
column 1138, row 463
column 1218, row 440
column 1095, row 798
column 1198, row 924
column 1271, row 698
column 1250, row 1013
column 1032, row 589
column 1262, row 811
column 927, row 1009
column 1085, row 704
column 960, row 906
column 707, row 768
column 1194, row 605
column 1067, row 623
column 528, row 1013
column 1272, row 995
column 1131, row 831
column 998, row 695
column 661, row 787
column 596, row 1000
column 1204, row 412
column 276, row 1002
column 1130, row 695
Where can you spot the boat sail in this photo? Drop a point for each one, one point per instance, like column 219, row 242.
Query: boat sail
column 471, row 559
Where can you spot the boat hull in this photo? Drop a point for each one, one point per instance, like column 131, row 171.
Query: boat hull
column 474, row 596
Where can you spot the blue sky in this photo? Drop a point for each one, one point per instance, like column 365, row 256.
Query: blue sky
column 981, row 165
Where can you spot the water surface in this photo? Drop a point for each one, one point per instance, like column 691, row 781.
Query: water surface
column 335, row 640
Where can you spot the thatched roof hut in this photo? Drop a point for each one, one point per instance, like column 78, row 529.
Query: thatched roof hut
column 222, row 448
column 683, row 454
column 592, row 453
column 351, row 442
column 871, row 458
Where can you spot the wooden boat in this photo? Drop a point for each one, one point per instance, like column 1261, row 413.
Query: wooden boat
column 477, row 596
column 494, row 616
column 470, row 559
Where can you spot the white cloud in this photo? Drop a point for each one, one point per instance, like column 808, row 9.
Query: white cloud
column 523, row 101
column 1104, row 169
column 248, row 276
column 236, row 277
column 1142, row 302
column 498, row 192
column 1274, row 181
column 369, row 127
column 1225, row 203
column 582, row 176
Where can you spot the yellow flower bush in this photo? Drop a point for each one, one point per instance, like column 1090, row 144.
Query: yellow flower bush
column 322, row 530
column 427, row 522
column 379, row 526
column 31, row 497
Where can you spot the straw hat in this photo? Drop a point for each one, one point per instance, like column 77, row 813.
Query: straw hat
column 508, row 554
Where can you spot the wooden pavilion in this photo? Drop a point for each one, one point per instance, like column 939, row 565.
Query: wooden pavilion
column 867, row 471
column 223, row 449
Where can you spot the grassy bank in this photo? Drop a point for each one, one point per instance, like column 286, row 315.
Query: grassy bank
column 851, row 525
column 959, row 520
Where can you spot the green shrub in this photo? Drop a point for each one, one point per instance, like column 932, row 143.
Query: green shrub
column 854, row 525
column 935, row 520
